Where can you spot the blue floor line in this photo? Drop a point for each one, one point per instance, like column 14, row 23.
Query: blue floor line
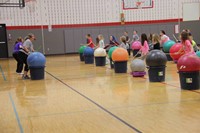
column 16, row 113
column 4, row 77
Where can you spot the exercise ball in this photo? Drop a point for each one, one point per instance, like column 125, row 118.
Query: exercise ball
column 88, row 51
column 111, row 51
column 167, row 45
column 156, row 58
column 36, row 59
column 100, row 52
column 198, row 53
column 138, row 65
column 188, row 63
column 174, row 49
column 120, row 54
column 81, row 49
column 136, row 45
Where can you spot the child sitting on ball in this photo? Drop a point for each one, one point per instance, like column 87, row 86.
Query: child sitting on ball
column 186, row 45
column 194, row 45
column 89, row 41
column 145, row 47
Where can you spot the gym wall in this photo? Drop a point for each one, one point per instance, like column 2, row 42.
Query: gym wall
column 72, row 19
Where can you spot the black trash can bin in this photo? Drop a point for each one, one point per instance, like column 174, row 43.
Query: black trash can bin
column 189, row 80
column 111, row 63
column 37, row 73
column 100, row 61
column 169, row 58
column 156, row 73
column 81, row 57
column 120, row 67
column 135, row 51
column 89, row 59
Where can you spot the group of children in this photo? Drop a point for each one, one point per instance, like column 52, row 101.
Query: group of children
column 22, row 48
column 154, row 41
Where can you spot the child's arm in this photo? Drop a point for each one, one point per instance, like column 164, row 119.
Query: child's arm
column 89, row 43
column 181, row 51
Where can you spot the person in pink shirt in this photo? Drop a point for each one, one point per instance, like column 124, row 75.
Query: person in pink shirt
column 186, row 44
column 145, row 46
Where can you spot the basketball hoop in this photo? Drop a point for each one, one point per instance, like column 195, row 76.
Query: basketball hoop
column 138, row 4
column 31, row 4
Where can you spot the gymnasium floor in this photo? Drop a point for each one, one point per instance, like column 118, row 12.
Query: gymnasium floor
column 79, row 98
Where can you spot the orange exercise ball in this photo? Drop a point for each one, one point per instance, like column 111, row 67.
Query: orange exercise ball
column 120, row 54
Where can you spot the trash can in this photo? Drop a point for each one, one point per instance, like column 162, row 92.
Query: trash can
column 100, row 61
column 169, row 58
column 81, row 50
column 37, row 73
column 156, row 61
column 81, row 57
column 88, row 55
column 111, row 63
column 135, row 51
column 100, row 57
column 156, row 73
column 120, row 67
column 89, row 59
column 188, row 67
column 189, row 80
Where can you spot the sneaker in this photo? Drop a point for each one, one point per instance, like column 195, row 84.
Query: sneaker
column 20, row 73
column 25, row 77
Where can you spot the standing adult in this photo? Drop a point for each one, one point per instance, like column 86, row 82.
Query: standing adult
column 25, row 51
column 135, row 36
column 127, row 42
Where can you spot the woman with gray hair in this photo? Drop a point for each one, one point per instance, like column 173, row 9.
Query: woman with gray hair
column 25, row 51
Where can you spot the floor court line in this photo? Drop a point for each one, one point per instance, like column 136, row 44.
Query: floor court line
column 115, row 108
column 3, row 75
column 16, row 113
column 175, row 86
column 98, row 105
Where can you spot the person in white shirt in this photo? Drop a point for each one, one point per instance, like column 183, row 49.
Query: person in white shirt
column 102, row 45
column 135, row 36
column 27, row 48
column 163, row 38
column 101, row 41
column 123, row 43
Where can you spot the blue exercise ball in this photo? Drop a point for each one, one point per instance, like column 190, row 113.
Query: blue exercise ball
column 88, row 51
column 36, row 59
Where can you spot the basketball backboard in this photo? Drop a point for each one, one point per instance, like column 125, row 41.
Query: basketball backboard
column 12, row 3
column 137, row 4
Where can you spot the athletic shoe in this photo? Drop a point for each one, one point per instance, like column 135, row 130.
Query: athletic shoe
column 25, row 77
column 20, row 73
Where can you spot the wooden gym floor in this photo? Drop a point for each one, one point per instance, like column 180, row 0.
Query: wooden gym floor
column 79, row 98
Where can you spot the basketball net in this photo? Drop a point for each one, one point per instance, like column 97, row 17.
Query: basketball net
column 31, row 4
column 138, row 4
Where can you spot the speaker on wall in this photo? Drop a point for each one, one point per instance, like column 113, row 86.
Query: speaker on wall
column 3, row 42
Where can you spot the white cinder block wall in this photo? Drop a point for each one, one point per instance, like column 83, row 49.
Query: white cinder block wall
column 58, row 12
